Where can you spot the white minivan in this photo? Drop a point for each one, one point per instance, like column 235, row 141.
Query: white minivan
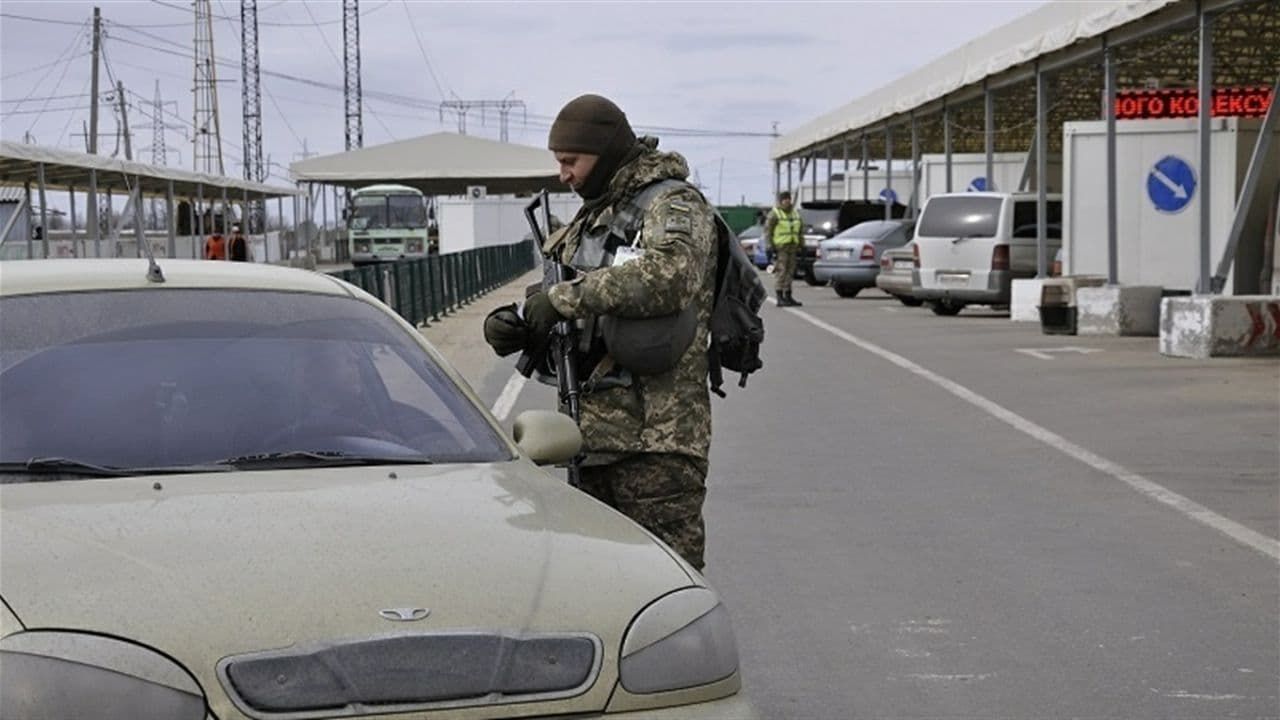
column 970, row 247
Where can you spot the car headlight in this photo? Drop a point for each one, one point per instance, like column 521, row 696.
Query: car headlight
column 75, row 675
column 679, row 641
column 362, row 247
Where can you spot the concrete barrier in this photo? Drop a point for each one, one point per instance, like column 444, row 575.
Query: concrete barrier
column 1119, row 310
column 1024, row 300
column 1204, row 326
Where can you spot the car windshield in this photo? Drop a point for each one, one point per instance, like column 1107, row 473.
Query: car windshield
column 176, row 378
column 406, row 211
column 752, row 232
column 958, row 216
column 868, row 230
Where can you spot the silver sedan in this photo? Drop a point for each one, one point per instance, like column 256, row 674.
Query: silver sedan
column 850, row 261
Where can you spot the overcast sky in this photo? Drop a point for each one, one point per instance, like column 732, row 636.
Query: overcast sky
column 734, row 67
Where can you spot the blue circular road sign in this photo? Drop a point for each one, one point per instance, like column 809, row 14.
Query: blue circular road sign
column 978, row 184
column 888, row 196
column 1171, row 184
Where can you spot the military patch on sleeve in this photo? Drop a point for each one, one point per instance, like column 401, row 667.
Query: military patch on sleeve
column 679, row 217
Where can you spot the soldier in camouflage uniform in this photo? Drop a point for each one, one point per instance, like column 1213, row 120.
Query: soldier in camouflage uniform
column 646, row 437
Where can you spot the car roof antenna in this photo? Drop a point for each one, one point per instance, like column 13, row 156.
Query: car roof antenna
column 154, row 273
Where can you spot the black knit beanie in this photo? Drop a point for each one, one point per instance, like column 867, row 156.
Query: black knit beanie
column 593, row 124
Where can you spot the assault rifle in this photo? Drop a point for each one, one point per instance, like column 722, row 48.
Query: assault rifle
column 560, row 345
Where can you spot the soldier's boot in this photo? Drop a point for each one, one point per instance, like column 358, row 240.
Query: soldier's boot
column 791, row 301
column 784, row 298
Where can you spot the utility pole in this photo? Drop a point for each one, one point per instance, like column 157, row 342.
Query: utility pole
column 207, row 154
column 351, row 74
column 462, row 107
column 251, row 102
column 124, row 121
column 91, row 207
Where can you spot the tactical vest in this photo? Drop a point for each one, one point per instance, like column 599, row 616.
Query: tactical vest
column 787, row 229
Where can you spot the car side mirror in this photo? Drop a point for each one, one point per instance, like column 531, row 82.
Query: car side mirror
column 546, row 436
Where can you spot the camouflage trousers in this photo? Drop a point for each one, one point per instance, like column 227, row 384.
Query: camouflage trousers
column 784, row 266
column 662, row 492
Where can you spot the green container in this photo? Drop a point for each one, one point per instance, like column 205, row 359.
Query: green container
column 740, row 217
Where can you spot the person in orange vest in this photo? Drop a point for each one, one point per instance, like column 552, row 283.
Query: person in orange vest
column 215, row 248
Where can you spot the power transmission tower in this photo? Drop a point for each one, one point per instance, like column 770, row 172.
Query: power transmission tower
column 351, row 73
column 251, row 102
column 462, row 107
column 207, row 143
column 158, row 150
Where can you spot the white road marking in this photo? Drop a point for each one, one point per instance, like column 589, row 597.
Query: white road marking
column 1184, row 695
column 507, row 398
column 1201, row 514
column 949, row 678
column 1043, row 353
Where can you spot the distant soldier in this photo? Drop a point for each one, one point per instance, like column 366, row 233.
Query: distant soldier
column 651, row 240
column 783, row 231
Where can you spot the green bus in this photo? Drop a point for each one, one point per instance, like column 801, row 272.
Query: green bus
column 386, row 223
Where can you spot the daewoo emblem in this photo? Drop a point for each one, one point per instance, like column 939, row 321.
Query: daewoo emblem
column 404, row 614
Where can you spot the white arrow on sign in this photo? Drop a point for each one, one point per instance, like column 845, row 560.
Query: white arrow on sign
column 1044, row 353
column 1178, row 191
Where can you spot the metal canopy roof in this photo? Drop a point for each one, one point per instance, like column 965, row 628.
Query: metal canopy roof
column 1155, row 42
column 438, row 164
column 65, row 169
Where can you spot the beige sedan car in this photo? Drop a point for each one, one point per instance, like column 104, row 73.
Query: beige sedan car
column 239, row 491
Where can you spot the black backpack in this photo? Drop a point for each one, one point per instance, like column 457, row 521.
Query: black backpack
column 736, row 326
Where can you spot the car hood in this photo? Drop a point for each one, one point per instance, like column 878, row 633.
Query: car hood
column 206, row 566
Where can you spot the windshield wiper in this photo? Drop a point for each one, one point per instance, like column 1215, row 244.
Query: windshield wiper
column 322, row 458
column 962, row 237
column 68, row 466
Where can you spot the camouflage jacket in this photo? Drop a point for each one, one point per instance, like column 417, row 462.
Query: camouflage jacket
column 670, row 412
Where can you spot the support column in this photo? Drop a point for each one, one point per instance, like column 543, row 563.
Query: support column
column 77, row 248
column 946, row 141
column 1109, row 100
column 915, row 167
column 198, row 243
column 828, row 173
column 170, row 220
column 1204, row 138
column 324, row 215
column 813, row 173
column 31, row 241
column 91, row 213
column 844, row 191
column 788, row 174
column 44, row 212
column 777, row 180
column 888, row 172
column 989, row 133
column 139, row 228
column 866, row 169
column 1042, row 153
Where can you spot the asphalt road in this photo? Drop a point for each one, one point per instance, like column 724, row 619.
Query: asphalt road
column 921, row 517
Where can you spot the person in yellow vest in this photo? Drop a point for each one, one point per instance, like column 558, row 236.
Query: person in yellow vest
column 783, row 231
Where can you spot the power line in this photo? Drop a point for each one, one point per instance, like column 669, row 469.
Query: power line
column 422, row 48
column 261, row 22
column 31, row 18
column 28, row 71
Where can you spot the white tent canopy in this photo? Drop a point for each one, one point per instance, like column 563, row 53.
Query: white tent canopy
column 1051, row 28
column 63, row 169
column 438, row 164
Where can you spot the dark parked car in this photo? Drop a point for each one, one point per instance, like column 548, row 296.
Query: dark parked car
column 850, row 261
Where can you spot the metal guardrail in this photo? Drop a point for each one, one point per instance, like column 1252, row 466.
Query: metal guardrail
column 423, row 289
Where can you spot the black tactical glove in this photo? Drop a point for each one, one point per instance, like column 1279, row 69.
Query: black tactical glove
column 505, row 331
column 540, row 315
